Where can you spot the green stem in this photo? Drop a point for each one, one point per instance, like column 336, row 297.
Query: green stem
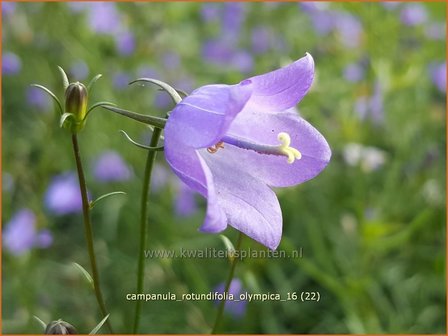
column 227, row 287
column 143, row 222
column 89, row 231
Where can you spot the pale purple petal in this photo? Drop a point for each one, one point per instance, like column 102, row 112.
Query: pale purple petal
column 250, row 206
column 190, row 167
column 202, row 118
column 63, row 195
column 275, row 170
column 283, row 88
column 110, row 166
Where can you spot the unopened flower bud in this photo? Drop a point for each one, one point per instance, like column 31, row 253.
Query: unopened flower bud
column 60, row 327
column 76, row 100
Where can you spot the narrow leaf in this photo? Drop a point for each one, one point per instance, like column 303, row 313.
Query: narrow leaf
column 146, row 119
column 52, row 96
column 99, row 325
column 93, row 203
column 93, row 81
column 42, row 323
column 229, row 246
column 65, row 81
column 166, row 87
column 154, row 149
column 85, row 273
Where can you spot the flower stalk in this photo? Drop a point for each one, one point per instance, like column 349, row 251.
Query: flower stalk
column 89, row 231
column 222, row 304
column 143, row 222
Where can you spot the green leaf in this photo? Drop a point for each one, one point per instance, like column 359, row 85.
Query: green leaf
column 93, row 203
column 164, row 86
column 52, row 96
column 146, row 119
column 65, row 81
column 99, row 325
column 229, row 246
column 93, row 81
column 64, row 117
column 85, row 273
column 154, row 149
column 42, row 323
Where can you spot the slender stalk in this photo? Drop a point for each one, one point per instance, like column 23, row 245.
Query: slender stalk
column 89, row 231
column 143, row 222
column 227, row 286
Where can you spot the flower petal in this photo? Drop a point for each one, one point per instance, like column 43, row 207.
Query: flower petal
column 202, row 118
column 250, row 205
column 263, row 128
column 189, row 166
column 282, row 89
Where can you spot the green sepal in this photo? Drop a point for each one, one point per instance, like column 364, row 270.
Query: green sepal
column 146, row 119
column 52, row 96
column 94, row 202
column 93, row 81
column 42, row 323
column 152, row 149
column 164, row 86
column 94, row 106
column 65, row 81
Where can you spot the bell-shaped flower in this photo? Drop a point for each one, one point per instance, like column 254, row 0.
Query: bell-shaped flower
column 232, row 143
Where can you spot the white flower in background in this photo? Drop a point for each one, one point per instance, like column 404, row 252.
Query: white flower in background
column 369, row 158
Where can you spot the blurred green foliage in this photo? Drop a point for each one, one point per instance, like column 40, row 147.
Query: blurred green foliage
column 373, row 239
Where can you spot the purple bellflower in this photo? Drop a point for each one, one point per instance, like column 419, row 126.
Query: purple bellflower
column 63, row 196
column 110, row 166
column 20, row 234
column 231, row 143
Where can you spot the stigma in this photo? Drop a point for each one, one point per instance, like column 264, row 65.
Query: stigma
column 283, row 149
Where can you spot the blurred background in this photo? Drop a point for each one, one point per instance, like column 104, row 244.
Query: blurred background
column 371, row 226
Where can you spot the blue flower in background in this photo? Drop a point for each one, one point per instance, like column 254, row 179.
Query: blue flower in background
column 36, row 98
column 438, row 76
column 353, row 72
column 185, row 201
column 110, row 166
column 413, row 14
column 125, row 43
column 11, row 63
column 121, row 80
column 79, row 70
column 20, row 235
column 235, row 308
column 63, row 196
column 8, row 8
